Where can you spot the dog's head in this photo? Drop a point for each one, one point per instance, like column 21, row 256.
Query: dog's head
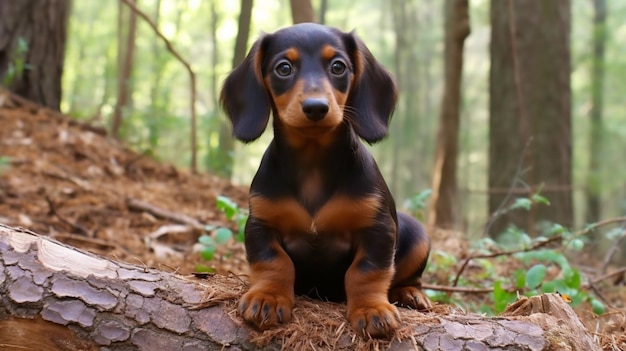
column 314, row 78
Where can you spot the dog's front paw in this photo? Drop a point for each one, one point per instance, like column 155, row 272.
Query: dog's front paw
column 265, row 310
column 378, row 321
column 411, row 297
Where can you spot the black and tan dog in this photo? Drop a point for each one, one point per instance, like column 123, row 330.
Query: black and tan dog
column 322, row 220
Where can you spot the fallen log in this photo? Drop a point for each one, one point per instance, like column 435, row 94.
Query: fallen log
column 56, row 297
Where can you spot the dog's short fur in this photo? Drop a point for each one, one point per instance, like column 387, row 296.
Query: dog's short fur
column 322, row 220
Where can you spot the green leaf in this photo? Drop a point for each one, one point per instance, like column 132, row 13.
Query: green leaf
column 520, row 279
column 576, row 244
column 222, row 235
column 572, row 278
column 555, row 229
column 204, row 269
column 226, row 205
column 206, row 240
column 208, row 253
column 538, row 199
column 501, row 297
column 549, row 287
column 521, row 202
column 240, row 234
column 535, row 276
column 597, row 306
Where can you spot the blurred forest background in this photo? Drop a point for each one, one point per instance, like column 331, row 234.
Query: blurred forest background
column 534, row 114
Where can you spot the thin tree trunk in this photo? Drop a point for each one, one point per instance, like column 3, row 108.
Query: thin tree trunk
column 597, row 93
column 399, row 21
column 32, row 48
column 221, row 159
column 444, row 203
column 323, row 10
column 126, row 53
column 243, row 32
column 60, row 298
column 302, row 11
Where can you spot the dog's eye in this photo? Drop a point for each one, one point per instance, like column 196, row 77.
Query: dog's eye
column 337, row 67
column 283, row 68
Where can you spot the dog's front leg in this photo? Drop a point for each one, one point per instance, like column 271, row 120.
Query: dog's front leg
column 272, row 275
column 368, row 280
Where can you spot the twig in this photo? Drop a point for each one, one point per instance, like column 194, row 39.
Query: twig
column 192, row 78
column 518, row 171
column 536, row 245
column 616, row 246
column 139, row 205
column 52, row 210
column 457, row 289
column 608, row 275
column 504, row 253
column 600, row 295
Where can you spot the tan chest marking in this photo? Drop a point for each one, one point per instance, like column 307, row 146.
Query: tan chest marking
column 340, row 213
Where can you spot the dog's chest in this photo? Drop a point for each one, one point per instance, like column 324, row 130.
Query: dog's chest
column 340, row 213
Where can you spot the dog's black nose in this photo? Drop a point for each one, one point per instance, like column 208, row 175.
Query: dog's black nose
column 315, row 109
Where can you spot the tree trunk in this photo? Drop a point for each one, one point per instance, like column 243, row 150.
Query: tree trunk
column 302, row 11
column 444, row 213
column 56, row 297
column 399, row 21
column 221, row 159
column 127, row 23
column 597, row 93
column 32, row 48
column 530, row 113
column 323, row 10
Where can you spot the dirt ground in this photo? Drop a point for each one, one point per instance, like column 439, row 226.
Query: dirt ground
column 67, row 180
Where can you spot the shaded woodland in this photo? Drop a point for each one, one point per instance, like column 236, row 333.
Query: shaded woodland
column 507, row 138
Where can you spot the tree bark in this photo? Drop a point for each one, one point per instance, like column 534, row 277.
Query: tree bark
column 55, row 297
column 32, row 48
column 444, row 204
column 530, row 143
column 302, row 11
column 597, row 95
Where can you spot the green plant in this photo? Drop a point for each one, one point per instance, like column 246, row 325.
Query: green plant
column 529, row 265
column 418, row 204
column 17, row 64
column 219, row 235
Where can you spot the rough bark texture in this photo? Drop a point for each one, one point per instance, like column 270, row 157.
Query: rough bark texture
column 54, row 297
column 33, row 71
column 530, row 113
column 444, row 183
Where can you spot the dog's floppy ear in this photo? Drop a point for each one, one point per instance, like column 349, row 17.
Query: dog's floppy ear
column 373, row 95
column 244, row 97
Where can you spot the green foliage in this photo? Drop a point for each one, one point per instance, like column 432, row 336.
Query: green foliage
column 216, row 236
column 418, row 204
column 501, row 297
column 17, row 64
column 532, row 265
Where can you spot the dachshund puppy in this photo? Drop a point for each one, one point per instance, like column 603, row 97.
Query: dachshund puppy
column 322, row 220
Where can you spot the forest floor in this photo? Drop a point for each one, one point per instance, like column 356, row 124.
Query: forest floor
column 67, row 180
